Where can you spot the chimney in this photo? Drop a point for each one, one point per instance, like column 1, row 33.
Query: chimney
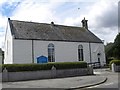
column 52, row 23
column 8, row 19
column 84, row 23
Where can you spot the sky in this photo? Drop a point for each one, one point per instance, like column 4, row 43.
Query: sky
column 102, row 15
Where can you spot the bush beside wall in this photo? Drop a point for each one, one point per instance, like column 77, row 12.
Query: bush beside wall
column 47, row 66
column 117, row 62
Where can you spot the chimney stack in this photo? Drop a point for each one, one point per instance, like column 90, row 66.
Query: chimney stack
column 8, row 19
column 52, row 23
column 84, row 23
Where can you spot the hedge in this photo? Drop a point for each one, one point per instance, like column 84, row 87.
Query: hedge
column 47, row 66
column 117, row 62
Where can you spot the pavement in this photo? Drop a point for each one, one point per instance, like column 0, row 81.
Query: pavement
column 63, row 83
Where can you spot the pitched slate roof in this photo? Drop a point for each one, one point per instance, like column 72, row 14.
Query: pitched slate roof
column 52, row 32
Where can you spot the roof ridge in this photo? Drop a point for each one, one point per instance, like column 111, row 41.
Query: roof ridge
column 47, row 23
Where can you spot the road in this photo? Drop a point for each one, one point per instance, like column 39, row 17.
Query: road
column 113, row 80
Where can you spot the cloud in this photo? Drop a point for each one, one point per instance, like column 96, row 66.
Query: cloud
column 105, row 22
column 119, row 17
column 3, row 24
column 27, row 10
column 37, row 12
column 2, row 39
column 3, row 21
column 102, row 15
column 109, row 15
column 102, row 19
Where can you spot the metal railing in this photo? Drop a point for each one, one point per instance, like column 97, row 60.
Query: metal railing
column 95, row 64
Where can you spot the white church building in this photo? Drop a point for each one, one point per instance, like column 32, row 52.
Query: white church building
column 31, row 42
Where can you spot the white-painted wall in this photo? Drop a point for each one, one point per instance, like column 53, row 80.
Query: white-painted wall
column 22, row 51
column 95, row 49
column 8, row 55
column 68, row 51
column 64, row 51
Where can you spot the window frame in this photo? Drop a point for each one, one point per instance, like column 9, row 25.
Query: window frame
column 80, row 53
column 51, row 52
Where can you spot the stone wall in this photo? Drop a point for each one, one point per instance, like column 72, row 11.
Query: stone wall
column 115, row 68
column 44, row 74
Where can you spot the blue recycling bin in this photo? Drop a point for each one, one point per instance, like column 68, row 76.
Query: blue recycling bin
column 42, row 59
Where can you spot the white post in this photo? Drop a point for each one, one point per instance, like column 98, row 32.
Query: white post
column 90, row 70
column 53, row 71
column 5, row 75
column 113, row 66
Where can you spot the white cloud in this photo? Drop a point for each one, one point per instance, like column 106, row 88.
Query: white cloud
column 46, row 11
column 36, row 11
column 102, row 19
column 3, row 21
column 100, row 11
column 2, row 39
column 2, row 1
column 27, row 10
column 3, row 24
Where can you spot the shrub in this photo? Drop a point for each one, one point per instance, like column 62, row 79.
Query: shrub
column 117, row 62
column 47, row 66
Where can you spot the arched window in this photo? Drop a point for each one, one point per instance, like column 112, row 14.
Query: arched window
column 80, row 53
column 51, row 53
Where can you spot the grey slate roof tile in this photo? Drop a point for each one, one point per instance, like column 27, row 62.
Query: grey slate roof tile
column 43, row 31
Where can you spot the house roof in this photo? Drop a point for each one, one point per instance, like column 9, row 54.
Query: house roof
column 51, row 32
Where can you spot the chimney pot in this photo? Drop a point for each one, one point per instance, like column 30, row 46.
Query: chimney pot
column 52, row 23
column 8, row 18
column 84, row 23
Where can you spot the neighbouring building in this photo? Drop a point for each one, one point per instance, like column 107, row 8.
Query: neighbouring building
column 1, row 56
column 27, row 41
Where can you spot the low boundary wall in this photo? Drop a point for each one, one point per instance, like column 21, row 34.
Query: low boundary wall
column 115, row 68
column 44, row 74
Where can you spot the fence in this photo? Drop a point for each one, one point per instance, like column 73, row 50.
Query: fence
column 95, row 64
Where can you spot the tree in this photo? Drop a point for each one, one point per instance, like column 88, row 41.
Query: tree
column 109, row 52
column 109, row 49
column 112, row 50
column 116, row 51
